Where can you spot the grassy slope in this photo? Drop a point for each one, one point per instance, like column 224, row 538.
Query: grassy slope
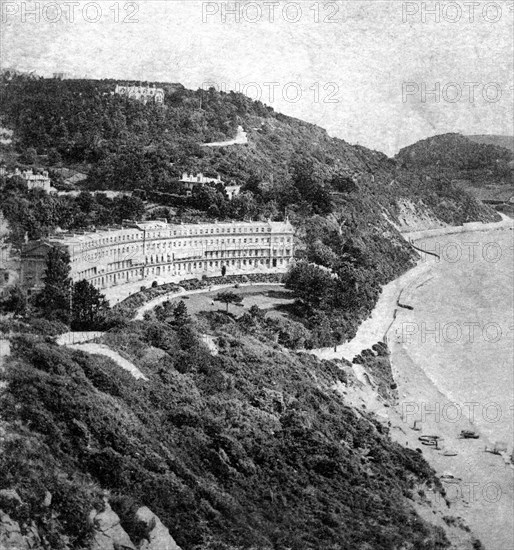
column 249, row 449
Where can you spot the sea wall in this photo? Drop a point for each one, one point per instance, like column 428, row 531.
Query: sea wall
column 505, row 223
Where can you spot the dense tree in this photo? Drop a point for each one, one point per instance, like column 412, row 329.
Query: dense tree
column 180, row 315
column 29, row 156
column 310, row 283
column 128, row 208
column 310, row 187
column 228, row 297
column 343, row 183
column 54, row 299
column 89, row 307
column 16, row 301
column 54, row 157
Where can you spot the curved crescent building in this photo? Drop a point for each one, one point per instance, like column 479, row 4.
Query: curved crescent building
column 144, row 251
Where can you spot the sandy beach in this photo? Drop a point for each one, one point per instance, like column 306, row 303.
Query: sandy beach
column 449, row 386
column 450, row 381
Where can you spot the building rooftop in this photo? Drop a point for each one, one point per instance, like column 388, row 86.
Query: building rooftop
column 82, row 237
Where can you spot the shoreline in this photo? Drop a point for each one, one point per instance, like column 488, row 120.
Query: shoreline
column 414, row 235
column 481, row 490
column 375, row 328
column 479, row 485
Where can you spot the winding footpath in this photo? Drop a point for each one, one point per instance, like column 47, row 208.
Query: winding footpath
column 83, row 340
column 240, row 139
column 183, row 292
column 102, row 349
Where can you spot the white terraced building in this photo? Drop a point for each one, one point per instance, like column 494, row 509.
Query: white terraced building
column 155, row 249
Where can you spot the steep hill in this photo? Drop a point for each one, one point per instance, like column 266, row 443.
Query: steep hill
column 346, row 202
column 507, row 142
column 479, row 162
column 255, row 447
column 481, row 165
column 249, row 449
column 124, row 144
column 455, row 152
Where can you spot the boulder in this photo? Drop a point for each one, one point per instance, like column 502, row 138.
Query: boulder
column 157, row 535
column 108, row 533
column 10, row 495
column 11, row 537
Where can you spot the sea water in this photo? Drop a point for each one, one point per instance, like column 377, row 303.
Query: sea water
column 462, row 326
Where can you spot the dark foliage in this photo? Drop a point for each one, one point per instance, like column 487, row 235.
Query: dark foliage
column 250, row 448
column 54, row 300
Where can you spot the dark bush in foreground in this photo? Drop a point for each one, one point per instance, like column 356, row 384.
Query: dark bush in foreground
column 250, row 448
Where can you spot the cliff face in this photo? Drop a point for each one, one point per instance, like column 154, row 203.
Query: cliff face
column 107, row 532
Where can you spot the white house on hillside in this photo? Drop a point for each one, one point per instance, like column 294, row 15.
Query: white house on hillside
column 34, row 181
column 188, row 181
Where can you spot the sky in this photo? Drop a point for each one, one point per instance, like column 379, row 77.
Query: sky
column 382, row 74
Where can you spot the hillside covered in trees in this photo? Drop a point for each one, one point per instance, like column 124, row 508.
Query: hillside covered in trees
column 123, row 144
column 346, row 202
column 255, row 447
column 458, row 153
column 483, row 165
column 249, row 449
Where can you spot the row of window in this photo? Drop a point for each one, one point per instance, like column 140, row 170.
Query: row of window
column 163, row 234
column 115, row 266
column 208, row 231
column 221, row 254
column 172, row 244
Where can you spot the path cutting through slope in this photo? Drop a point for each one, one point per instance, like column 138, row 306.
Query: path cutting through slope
column 102, row 349
column 240, row 139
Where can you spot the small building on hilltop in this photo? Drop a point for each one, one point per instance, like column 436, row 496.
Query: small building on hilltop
column 232, row 191
column 34, row 180
column 189, row 181
column 141, row 93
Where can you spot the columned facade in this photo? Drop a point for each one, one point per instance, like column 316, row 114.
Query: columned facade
column 145, row 251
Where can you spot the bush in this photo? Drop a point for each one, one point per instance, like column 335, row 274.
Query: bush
column 210, row 445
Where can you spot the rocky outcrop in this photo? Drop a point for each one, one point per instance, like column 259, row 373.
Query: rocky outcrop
column 157, row 535
column 108, row 532
column 377, row 364
column 12, row 538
